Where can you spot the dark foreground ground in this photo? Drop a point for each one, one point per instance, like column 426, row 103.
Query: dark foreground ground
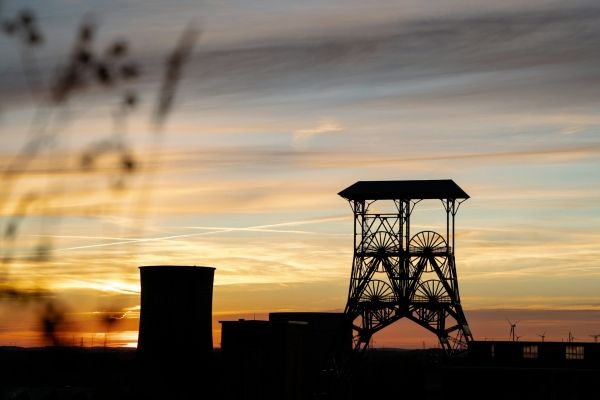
column 80, row 374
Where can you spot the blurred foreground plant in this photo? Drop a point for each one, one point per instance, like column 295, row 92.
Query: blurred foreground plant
column 88, row 69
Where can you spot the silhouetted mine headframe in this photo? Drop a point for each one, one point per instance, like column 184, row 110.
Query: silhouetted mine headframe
column 397, row 274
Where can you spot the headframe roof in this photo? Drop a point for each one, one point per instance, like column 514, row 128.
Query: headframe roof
column 404, row 190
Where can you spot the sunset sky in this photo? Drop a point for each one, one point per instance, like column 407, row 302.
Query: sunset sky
column 281, row 105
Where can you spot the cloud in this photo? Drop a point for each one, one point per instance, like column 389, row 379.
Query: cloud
column 232, row 157
column 325, row 126
column 537, row 53
column 551, row 49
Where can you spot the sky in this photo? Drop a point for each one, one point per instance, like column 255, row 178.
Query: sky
column 281, row 105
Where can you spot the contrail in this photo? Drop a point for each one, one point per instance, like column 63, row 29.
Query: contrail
column 215, row 230
column 85, row 237
column 289, row 223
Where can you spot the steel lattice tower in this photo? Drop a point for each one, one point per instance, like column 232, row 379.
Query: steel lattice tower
column 396, row 275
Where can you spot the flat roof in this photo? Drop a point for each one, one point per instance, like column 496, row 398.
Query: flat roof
column 169, row 269
column 417, row 189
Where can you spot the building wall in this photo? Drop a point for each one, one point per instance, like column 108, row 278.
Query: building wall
column 264, row 360
column 537, row 353
column 329, row 336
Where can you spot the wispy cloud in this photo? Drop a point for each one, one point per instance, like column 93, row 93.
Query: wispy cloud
column 325, row 126
column 477, row 49
column 227, row 157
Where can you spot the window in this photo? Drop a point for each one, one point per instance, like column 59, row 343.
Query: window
column 574, row 352
column 492, row 351
column 530, row 352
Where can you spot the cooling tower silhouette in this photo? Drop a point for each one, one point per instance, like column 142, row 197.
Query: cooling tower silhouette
column 176, row 313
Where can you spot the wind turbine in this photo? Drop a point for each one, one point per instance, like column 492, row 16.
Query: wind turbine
column 512, row 329
column 543, row 335
column 595, row 337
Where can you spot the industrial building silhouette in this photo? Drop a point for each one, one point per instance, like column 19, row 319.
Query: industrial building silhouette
column 317, row 355
column 293, row 355
column 176, row 312
column 400, row 274
column 289, row 356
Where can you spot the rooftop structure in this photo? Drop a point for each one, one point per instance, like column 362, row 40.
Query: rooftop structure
column 406, row 190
